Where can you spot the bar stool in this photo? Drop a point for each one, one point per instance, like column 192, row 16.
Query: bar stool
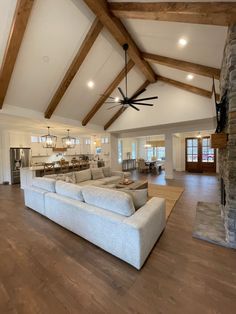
column 75, row 164
column 48, row 168
column 64, row 166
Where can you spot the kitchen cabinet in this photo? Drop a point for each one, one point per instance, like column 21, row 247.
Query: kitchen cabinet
column 39, row 151
column 17, row 139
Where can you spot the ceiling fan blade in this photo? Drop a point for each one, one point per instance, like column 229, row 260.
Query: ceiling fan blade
column 139, row 103
column 111, row 102
column 113, row 107
column 120, row 90
column 134, row 107
column 148, row 98
column 138, row 93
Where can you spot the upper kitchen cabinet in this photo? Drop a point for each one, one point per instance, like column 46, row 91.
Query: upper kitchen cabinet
column 17, row 139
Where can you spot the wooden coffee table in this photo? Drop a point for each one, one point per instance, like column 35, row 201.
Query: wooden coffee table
column 136, row 185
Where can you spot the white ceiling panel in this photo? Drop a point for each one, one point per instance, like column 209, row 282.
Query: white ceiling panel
column 103, row 63
column 205, row 42
column 135, row 80
column 54, row 33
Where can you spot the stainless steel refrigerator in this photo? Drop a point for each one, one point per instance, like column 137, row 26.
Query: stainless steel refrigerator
column 19, row 158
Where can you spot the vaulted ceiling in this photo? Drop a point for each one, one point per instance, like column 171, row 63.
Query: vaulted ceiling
column 67, row 43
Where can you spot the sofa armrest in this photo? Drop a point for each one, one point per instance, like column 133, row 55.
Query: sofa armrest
column 149, row 221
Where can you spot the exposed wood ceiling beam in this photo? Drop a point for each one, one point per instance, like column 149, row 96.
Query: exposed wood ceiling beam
column 119, row 32
column 187, row 87
column 83, row 51
column 107, row 93
column 212, row 13
column 183, row 65
column 18, row 27
column 122, row 109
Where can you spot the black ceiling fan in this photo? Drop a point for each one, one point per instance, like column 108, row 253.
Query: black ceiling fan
column 125, row 101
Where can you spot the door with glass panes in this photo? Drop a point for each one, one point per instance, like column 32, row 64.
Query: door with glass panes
column 200, row 157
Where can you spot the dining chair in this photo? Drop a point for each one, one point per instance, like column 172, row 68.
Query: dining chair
column 142, row 166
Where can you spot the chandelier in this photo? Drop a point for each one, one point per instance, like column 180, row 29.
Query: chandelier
column 49, row 141
column 68, row 141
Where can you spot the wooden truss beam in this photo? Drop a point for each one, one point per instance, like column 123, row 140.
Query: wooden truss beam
column 18, row 27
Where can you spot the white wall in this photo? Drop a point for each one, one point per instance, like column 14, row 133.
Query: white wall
column 179, row 153
column 172, row 106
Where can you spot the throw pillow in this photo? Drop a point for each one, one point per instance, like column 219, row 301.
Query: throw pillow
column 83, row 175
column 139, row 197
column 97, row 173
column 106, row 171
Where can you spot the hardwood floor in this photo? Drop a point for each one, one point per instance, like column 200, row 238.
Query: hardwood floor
column 46, row 269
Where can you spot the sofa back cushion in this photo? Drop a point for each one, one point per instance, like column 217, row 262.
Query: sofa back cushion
column 69, row 190
column 67, row 177
column 106, row 171
column 97, row 173
column 139, row 197
column 83, row 175
column 47, row 184
column 108, row 199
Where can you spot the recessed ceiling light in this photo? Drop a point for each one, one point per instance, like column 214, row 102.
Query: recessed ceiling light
column 46, row 59
column 117, row 99
column 90, row 84
column 182, row 42
column 190, row 77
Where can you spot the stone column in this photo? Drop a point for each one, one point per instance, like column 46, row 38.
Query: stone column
column 169, row 156
column 227, row 157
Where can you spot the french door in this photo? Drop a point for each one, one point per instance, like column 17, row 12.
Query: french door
column 200, row 157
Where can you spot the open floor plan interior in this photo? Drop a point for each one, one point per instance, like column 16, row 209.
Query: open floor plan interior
column 117, row 156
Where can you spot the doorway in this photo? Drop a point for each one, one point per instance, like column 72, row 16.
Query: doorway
column 199, row 156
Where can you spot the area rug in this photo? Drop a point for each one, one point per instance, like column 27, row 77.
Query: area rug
column 209, row 225
column 170, row 193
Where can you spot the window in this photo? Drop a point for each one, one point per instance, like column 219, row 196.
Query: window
column 133, row 150
column 77, row 141
column 161, row 153
column 120, row 151
column 87, row 141
column 192, row 150
column 208, row 154
column 149, row 153
column 105, row 140
column 34, row 139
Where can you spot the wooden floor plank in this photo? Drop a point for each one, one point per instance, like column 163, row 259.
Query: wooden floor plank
column 47, row 269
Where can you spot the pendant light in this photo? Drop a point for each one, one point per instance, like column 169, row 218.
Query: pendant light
column 68, row 141
column 49, row 141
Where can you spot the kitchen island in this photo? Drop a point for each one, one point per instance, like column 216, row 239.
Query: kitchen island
column 28, row 173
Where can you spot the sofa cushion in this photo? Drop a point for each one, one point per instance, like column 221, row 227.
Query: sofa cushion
column 139, row 197
column 69, row 190
column 109, row 180
column 47, row 184
column 91, row 182
column 67, row 177
column 112, row 200
column 83, row 175
column 106, row 171
column 97, row 173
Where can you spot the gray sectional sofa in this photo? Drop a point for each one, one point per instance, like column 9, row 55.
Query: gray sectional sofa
column 93, row 176
column 105, row 217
